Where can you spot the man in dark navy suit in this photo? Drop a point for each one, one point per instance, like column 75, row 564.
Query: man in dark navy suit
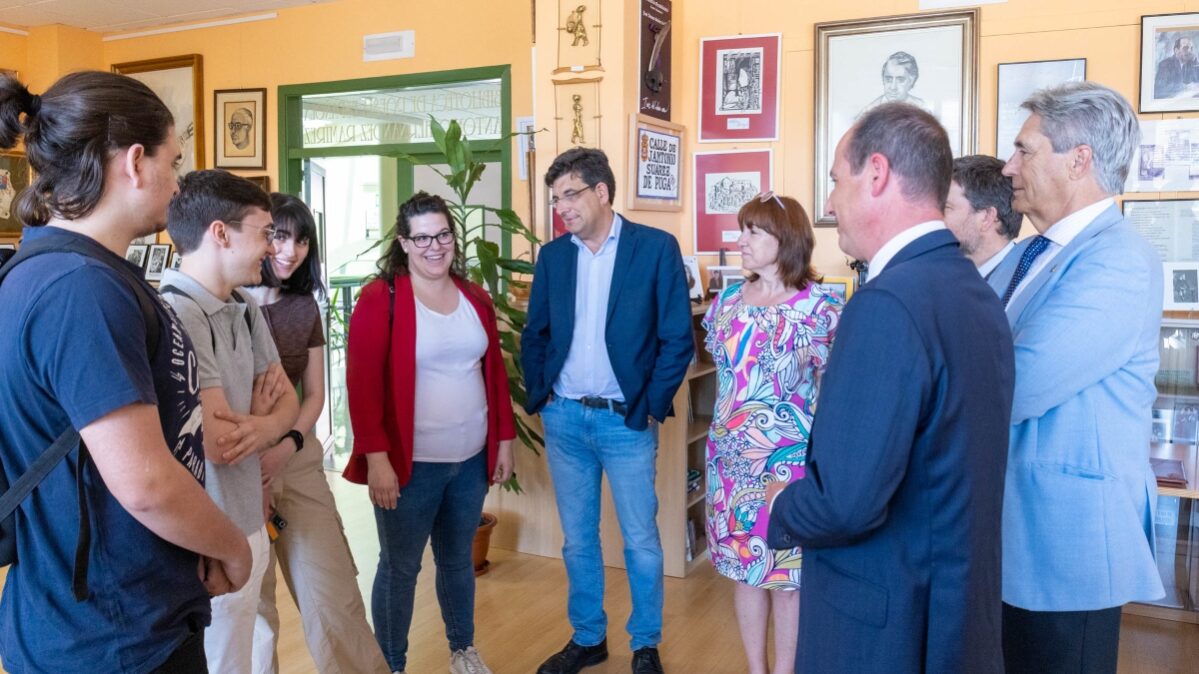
column 606, row 346
column 899, row 511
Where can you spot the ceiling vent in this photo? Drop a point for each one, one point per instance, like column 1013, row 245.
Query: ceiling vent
column 387, row 46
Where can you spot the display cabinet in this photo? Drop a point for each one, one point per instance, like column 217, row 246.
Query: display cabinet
column 1173, row 450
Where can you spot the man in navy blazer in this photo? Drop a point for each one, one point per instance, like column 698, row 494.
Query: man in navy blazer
column 1084, row 299
column 899, row 511
column 607, row 343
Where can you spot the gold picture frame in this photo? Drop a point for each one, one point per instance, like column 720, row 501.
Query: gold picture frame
column 935, row 52
column 179, row 82
column 842, row 286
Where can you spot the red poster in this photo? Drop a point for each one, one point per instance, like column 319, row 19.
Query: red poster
column 724, row 181
column 739, row 88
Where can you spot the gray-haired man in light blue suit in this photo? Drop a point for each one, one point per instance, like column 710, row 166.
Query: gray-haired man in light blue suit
column 1084, row 299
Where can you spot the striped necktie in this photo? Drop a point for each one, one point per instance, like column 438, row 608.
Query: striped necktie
column 1038, row 246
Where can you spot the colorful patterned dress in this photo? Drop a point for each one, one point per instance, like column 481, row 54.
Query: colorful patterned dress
column 768, row 364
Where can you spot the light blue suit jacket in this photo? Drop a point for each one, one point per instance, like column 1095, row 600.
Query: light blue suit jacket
column 1079, row 495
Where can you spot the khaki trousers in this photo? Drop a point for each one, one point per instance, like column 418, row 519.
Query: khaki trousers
column 315, row 558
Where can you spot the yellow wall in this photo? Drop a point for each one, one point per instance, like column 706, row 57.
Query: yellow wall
column 12, row 52
column 1105, row 32
column 313, row 43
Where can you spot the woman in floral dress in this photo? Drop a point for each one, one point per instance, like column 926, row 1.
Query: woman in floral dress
column 770, row 338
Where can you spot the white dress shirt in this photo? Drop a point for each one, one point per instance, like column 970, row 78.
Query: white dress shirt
column 883, row 257
column 992, row 262
column 1060, row 235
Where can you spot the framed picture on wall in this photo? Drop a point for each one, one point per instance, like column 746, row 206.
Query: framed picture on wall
column 579, row 29
column 1018, row 81
column 1169, row 63
column 841, row 286
column 239, row 128
column 15, row 176
column 739, row 88
column 176, row 260
column 1171, row 226
column 724, row 181
column 179, row 82
column 262, row 181
column 157, row 261
column 929, row 60
column 655, row 164
column 1181, row 286
column 136, row 254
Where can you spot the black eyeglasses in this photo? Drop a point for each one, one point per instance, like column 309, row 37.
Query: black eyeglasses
column 569, row 196
column 444, row 237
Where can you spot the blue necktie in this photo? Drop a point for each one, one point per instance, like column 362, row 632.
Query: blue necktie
column 1038, row 246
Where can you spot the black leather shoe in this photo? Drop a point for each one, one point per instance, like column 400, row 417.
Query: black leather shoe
column 645, row 661
column 573, row 658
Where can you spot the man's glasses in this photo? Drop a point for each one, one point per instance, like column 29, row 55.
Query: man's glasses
column 234, row 127
column 269, row 232
column 444, row 237
column 569, row 196
column 768, row 195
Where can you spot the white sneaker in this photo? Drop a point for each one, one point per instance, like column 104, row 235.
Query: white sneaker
column 467, row 661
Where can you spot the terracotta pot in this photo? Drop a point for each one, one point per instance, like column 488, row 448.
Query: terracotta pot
column 482, row 543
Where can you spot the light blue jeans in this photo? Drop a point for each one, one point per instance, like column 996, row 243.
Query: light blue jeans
column 581, row 444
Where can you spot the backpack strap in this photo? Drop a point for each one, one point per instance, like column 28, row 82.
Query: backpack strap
column 62, row 445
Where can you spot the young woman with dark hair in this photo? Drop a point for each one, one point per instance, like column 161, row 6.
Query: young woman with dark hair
column 311, row 549
column 78, row 350
column 432, row 421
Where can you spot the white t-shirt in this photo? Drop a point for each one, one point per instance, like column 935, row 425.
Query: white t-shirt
column 451, row 399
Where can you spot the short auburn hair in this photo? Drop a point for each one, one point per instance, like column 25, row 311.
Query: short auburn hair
column 784, row 219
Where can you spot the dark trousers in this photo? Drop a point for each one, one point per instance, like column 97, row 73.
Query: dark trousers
column 188, row 658
column 1060, row 642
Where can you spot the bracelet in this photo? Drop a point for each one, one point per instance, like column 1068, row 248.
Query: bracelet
column 296, row 437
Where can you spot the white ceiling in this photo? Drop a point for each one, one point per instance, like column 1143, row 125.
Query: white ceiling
column 110, row 16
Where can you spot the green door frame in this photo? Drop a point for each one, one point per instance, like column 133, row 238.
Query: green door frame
column 291, row 143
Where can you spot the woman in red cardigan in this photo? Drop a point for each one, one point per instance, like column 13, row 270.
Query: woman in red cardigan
column 432, row 420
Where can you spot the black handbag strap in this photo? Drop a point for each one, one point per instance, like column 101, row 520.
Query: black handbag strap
column 62, row 445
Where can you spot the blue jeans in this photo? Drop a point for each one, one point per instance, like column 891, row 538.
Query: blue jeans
column 445, row 501
column 581, row 443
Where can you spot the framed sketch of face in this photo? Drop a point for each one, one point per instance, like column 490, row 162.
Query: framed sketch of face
column 929, row 60
column 179, row 82
column 176, row 260
column 1169, row 63
column 240, row 131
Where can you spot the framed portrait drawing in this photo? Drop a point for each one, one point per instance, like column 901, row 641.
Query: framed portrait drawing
column 929, row 60
column 176, row 260
column 1018, row 81
column 724, row 181
column 721, row 276
column 239, row 131
column 179, row 82
column 15, row 176
column 136, row 254
column 739, row 88
column 1169, row 63
column 157, row 261
column 655, row 164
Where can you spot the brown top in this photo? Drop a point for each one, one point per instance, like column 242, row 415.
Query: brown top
column 295, row 322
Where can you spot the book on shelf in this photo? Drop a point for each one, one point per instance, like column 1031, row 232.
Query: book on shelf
column 1168, row 473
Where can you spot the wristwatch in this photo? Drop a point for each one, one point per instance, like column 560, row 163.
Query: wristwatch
column 297, row 437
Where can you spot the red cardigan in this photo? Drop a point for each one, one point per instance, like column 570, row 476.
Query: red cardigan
column 382, row 395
